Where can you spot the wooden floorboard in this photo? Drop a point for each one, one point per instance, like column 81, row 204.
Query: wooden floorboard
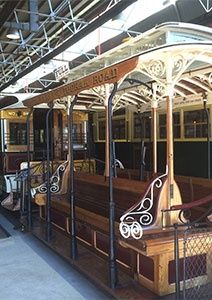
column 93, row 266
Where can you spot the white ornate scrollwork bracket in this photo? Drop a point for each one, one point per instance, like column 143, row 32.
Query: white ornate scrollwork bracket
column 139, row 215
column 54, row 181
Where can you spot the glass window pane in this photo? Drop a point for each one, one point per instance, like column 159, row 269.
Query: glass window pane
column 162, row 132
column 146, row 126
column 101, row 130
column 176, row 131
column 118, row 129
column 195, row 124
column 176, row 118
column 162, row 120
column 18, row 134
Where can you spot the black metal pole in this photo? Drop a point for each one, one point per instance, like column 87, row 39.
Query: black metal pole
column 73, row 245
column 22, row 197
column 112, row 252
column 177, row 266
column 52, row 143
column 29, row 209
column 48, row 196
column 114, row 159
column 142, row 147
column 61, row 137
column 208, row 138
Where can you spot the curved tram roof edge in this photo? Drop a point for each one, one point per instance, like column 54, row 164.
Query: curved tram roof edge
column 117, row 71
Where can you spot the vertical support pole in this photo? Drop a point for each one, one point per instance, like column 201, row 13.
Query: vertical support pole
column 142, row 147
column 114, row 159
column 61, row 136
column 73, row 242
column 169, row 153
column 29, row 209
column 169, row 137
column 112, row 252
column 23, row 182
column 52, row 142
column 177, row 266
column 154, row 135
column 106, row 173
column 208, row 137
column 48, row 199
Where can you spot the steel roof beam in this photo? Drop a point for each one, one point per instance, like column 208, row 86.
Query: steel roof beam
column 109, row 14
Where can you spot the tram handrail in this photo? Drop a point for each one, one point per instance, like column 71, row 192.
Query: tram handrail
column 201, row 201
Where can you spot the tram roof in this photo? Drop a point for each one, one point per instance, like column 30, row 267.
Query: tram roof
column 141, row 58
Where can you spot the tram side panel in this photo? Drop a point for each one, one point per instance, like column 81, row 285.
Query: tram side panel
column 13, row 149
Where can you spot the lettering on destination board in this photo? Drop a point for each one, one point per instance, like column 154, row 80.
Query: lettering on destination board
column 105, row 76
column 88, row 82
column 79, row 85
column 76, row 86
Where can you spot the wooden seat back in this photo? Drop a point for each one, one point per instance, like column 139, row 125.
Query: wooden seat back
column 92, row 193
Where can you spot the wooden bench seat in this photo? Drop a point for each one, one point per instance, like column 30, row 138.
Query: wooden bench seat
column 92, row 193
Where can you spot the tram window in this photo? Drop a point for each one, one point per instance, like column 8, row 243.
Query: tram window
column 77, row 134
column 162, row 125
column 101, row 130
column 39, row 136
column 146, row 127
column 195, row 124
column 119, row 112
column 65, row 136
column 18, row 134
column 118, row 131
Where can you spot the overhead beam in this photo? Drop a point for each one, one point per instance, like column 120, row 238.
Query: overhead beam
column 33, row 24
column 11, row 5
column 109, row 14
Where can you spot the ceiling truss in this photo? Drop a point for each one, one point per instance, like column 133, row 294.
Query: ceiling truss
column 46, row 29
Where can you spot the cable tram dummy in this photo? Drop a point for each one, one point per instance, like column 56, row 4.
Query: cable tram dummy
column 144, row 208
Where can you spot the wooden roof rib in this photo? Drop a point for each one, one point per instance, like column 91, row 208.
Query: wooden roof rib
column 150, row 52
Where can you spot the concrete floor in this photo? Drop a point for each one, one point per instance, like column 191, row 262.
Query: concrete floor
column 29, row 270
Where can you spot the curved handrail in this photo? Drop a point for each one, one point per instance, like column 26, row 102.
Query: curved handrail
column 184, row 209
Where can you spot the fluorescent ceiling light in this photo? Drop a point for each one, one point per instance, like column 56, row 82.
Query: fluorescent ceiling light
column 13, row 34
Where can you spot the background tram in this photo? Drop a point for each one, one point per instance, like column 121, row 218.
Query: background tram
column 129, row 127
column 13, row 137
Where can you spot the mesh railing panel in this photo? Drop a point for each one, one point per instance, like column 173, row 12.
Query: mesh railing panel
column 197, row 268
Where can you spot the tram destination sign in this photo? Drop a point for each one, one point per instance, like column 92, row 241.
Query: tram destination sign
column 111, row 74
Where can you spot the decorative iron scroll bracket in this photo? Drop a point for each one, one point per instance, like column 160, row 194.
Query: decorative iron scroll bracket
column 54, row 182
column 139, row 215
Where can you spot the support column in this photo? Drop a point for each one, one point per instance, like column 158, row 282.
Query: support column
column 154, row 135
column 170, row 152
column 73, row 241
column 208, row 135
column 48, row 197
column 112, row 252
column 169, row 133
column 106, row 173
column 29, row 212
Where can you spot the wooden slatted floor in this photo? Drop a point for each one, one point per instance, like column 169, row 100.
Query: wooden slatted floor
column 93, row 266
